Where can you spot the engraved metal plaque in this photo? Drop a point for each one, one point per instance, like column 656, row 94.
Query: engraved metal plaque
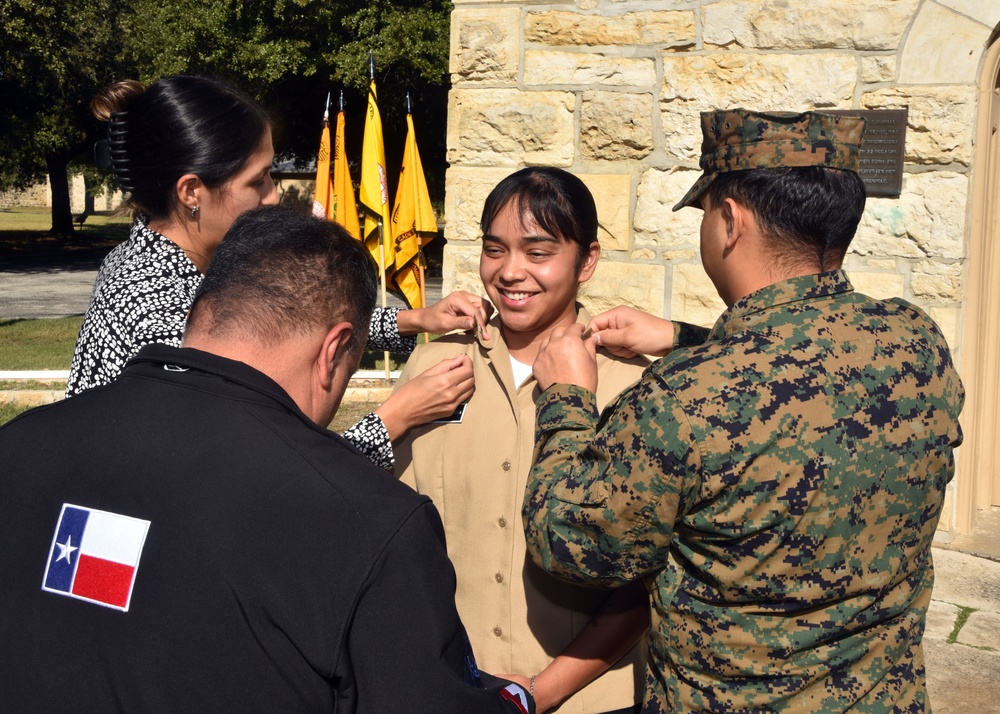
column 882, row 148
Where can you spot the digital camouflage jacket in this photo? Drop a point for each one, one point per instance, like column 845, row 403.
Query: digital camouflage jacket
column 794, row 468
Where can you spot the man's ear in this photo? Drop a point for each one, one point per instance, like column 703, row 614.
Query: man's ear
column 736, row 217
column 334, row 352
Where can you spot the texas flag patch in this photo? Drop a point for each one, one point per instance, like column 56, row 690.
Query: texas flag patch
column 95, row 555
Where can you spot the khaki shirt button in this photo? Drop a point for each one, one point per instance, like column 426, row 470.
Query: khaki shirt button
column 506, row 465
column 497, row 631
column 502, row 521
column 499, row 577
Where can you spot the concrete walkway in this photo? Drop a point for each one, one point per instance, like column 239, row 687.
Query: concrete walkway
column 962, row 642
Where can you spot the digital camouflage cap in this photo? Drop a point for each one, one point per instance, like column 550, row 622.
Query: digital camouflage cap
column 738, row 139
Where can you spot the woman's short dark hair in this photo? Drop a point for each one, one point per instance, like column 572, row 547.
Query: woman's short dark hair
column 560, row 203
column 179, row 125
column 809, row 214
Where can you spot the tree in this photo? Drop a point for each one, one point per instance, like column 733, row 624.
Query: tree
column 56, row 54
column 289, row 53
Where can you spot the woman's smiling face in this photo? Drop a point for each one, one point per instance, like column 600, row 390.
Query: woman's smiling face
column 530, row 275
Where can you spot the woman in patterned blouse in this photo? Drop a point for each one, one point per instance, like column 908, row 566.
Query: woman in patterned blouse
column 193, row 154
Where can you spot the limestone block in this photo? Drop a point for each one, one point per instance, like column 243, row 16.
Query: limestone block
column 372, row 395
column 692, row 296
column 465, row 193
column 642, row 255
column 613, row 196
column 657, row 227
column 507, row 127
column 936, row 281
column 32, row 397
column 645, row 4
column 780, row 24
column 696, row 83
column 485, row 45
column 884, row 265
column 985, row 11
column 543, row 67
column 878, row 68
column 634, row 284
column 689, row 255
column 880, row 286
column 616, row 125
column 940, row 122
column 926, row 221
column 937, row 49
column 948, row 320
column 461, row 269
column 670, row 28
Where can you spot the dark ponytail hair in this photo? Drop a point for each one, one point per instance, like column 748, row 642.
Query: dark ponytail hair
column 560, row 203
column 179, row 125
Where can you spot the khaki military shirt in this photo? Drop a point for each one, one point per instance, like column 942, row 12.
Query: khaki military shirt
column 795, row 467
column 518, row 617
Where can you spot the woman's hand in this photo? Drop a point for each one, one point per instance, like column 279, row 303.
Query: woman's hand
column 627, row 332
column 432, row 394
column 458, row 311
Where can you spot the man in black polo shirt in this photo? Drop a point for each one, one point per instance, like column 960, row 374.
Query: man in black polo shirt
column 191, row 537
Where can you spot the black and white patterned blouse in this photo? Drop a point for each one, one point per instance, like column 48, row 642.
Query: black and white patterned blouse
column 142, row 295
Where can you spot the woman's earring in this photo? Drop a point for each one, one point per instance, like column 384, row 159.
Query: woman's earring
column 194, row 210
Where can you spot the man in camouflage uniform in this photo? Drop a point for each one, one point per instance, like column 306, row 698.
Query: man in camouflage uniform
column 794, row 465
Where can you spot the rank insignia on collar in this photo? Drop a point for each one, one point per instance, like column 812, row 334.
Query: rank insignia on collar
column 94, row 556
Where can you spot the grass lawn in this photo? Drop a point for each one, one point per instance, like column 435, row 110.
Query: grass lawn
column 38, row 344
column 25, row 232
column 9, row 410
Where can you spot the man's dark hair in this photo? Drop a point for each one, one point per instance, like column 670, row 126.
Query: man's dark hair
column 808, row 214
column 279, row 272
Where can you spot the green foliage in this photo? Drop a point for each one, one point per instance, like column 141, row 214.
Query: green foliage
column 56, row 54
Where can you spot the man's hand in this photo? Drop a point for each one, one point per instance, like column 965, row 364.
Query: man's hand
column 458, row 311
column 432, row 394
column 627, row 332
column 566, row 358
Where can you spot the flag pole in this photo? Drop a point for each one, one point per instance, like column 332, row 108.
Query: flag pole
column 381, row 237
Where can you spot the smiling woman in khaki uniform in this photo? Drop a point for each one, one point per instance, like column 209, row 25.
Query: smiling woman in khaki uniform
column 572, row 646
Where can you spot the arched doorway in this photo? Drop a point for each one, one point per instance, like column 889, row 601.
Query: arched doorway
column 978, row 486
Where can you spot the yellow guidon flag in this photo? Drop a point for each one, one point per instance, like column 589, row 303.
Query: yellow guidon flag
column 345, row 209
column 323, row 197
column 374, row 194
column 413, row 223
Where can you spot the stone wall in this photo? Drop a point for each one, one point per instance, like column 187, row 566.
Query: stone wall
column 40, row 196
column 612, row 89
